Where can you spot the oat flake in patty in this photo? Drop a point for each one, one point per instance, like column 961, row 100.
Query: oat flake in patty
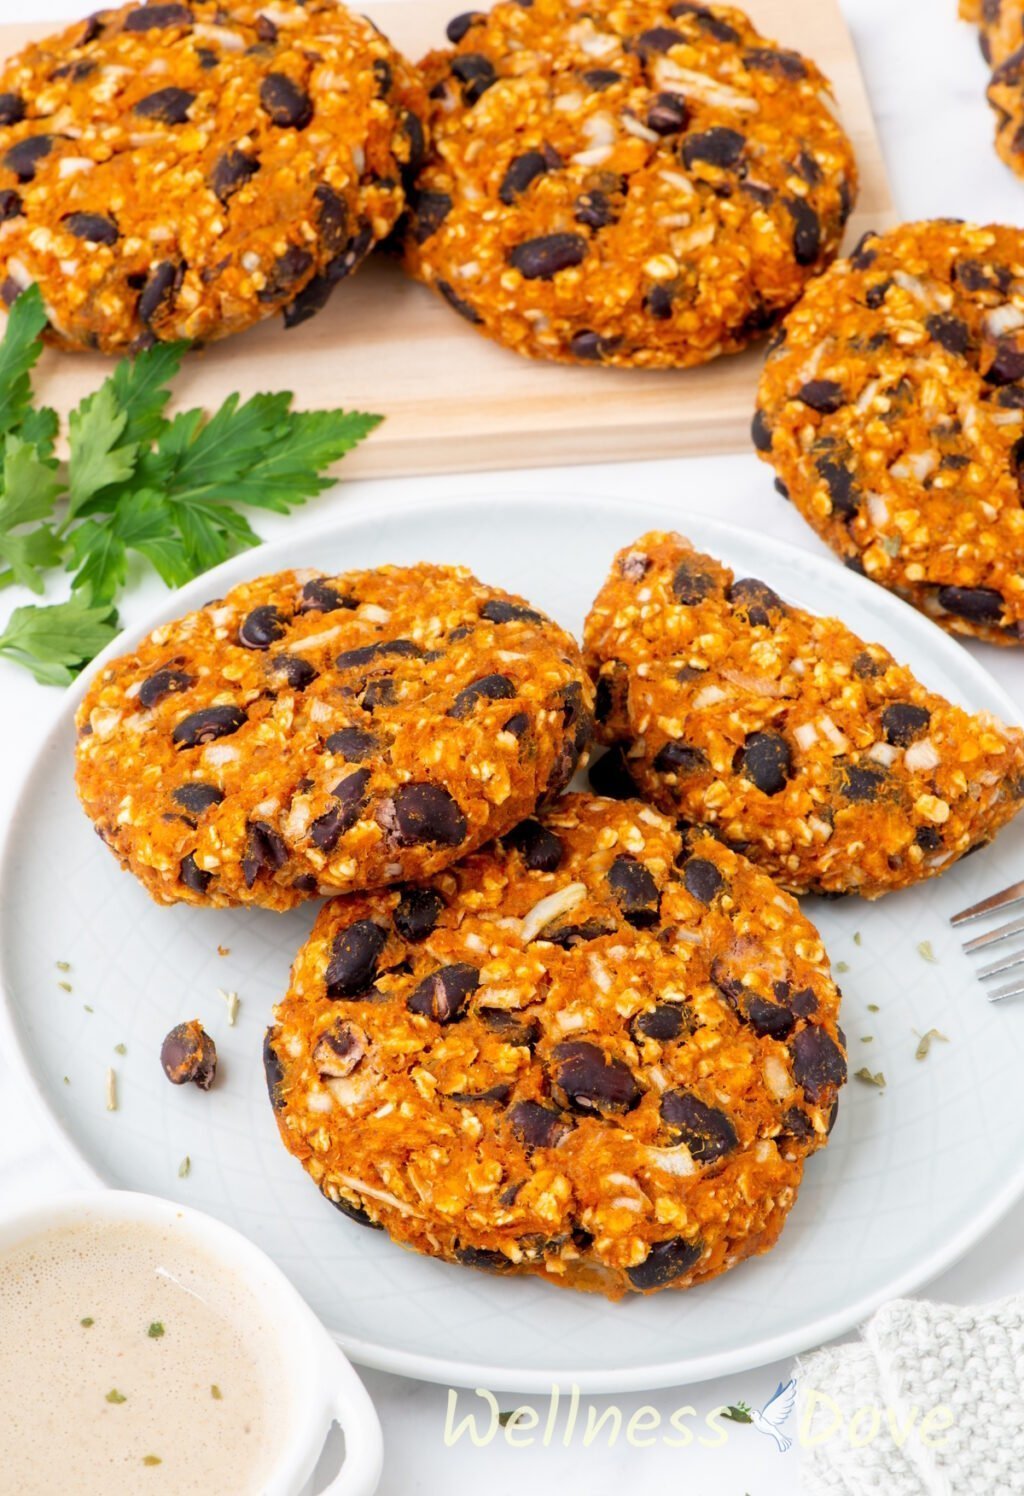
column 185, row 170
column 627, row 183
column 816, row 754
column 309, row 734
column 597, row 1051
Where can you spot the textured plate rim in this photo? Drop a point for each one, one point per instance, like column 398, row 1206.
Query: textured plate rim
column 898, row 620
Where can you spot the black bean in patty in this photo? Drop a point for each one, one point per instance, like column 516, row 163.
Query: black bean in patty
column 544, row 257
column 288, row 105
column 355, row 953
column 635, row 891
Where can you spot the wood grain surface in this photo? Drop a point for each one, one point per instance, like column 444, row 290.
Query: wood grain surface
column 452, row 400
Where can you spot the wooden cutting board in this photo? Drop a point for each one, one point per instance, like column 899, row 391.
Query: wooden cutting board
column 452, row 400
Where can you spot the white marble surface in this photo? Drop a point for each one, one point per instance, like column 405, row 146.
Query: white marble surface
column 926, row 81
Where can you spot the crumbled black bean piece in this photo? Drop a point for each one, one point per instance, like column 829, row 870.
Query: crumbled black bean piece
column 188, row 1054
column 499, row 611
column 261, row 628
column 691, row 584
column 207, row 724
column 163, row 683
column 706, row 1131
column 659, row 301
column 818, row 1063
column 295, row 672
column 806, row 231
column 430, row 209
column 417, row 913
column 288, row 105
column 592, row 1081
column 822, row 395
column 192, row 875
column 609, row 775
column 904, row 723
column 842, row 489
column 543, row 257
column 667, row 114
column 273, row 1071
column 522, row 171
column 264, row 848
column 24, row 156
column 12, row 109
column 231, row 171
column 195, row 797
column 594, row 210
column 352, row 969
column 169, row 106
column 319, row 596
column 161, row 284
column 757, row 600
column 761, row 432
column 982, row 604
column 94, row 228
column 718, row 146
column 350, row 793
column 862, row 783
column 539, row 847
column 510, row 1028
column 156, row 17
column 765, row 760
column 665, row 1262
column 538, row 1126
column 635, row 891
column 601, row 78
column 476, row 74
column 443, row 995
column 593, row 346
column 486, row 688
column 702, row 879
column 663, row 1023
column 353, row 743
column 423, row 812
column 460, row 24
column 949, row 331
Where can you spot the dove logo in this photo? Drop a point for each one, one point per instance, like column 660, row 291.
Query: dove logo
column 776, row 1411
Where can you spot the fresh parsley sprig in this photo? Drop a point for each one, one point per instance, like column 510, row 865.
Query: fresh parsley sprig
column 169, row 490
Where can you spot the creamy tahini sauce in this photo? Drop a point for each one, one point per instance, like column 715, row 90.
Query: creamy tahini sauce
column 201, row 1411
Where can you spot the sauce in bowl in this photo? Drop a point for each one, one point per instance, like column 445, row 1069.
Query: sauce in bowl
column 131, row 1362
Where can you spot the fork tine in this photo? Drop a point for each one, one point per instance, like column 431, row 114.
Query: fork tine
column 1012, row 895
column 991, row 937
column 1005, row 962
column 1014, row 989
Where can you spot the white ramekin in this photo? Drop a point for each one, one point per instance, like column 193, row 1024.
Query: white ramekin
column 324, row 1389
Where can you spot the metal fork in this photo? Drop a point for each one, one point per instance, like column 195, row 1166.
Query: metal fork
column 1008, row 961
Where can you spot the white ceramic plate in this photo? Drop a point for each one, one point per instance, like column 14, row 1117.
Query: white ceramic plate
column 913, row 1176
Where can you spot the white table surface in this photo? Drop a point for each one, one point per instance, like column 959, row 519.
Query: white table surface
column 926, row 82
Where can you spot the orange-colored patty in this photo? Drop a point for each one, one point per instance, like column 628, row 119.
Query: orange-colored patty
column 182, row 171
column 596, row 1051
column 632, row 183
column 1002, row 46
column 816, row 754
column 892, row 409
column 309, row 735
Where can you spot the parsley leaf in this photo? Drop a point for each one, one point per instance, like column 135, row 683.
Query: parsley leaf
column 55, row 642
column 97, row 457
column 170, row 491
column 29, row 488
column 19, row 351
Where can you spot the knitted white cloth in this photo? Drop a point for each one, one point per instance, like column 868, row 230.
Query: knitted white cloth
column 930, row 1402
